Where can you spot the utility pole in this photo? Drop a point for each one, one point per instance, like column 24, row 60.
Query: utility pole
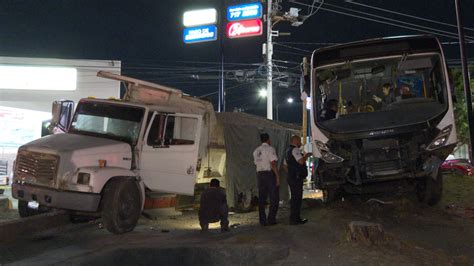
column 465, row 72
column 269, row 51
column 221, row 92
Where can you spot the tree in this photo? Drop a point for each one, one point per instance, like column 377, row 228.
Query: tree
column 460, row 109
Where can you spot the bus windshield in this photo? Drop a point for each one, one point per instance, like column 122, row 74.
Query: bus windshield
column 378, row 85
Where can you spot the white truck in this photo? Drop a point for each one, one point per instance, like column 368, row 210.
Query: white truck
column 116, row 151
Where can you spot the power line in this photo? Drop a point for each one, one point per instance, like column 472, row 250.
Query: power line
column 292, row 47
column 377, row 20
column 317, row 9
column 129, row 61
column 395, row 20
column 291, row 53
column 405, row 15
column 311, row 43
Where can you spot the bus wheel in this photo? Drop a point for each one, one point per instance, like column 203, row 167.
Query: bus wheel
column 429, row 190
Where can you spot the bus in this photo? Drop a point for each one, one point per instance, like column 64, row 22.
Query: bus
column 382, row 118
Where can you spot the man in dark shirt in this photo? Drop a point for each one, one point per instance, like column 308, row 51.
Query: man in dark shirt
column 297, row 173
column 213, row 207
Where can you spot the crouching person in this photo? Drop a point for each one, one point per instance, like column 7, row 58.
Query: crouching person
column 213, row 207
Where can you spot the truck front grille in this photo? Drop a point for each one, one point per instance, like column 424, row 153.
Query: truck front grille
column 41, row 167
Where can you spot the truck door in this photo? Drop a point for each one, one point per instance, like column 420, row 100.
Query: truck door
column 170, row 153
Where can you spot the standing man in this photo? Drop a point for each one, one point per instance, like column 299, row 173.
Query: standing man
column 297, row 172
column 268, row 180
column 213, row 207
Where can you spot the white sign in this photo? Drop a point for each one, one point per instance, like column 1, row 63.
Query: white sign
column 38, row 78
column 200, row 17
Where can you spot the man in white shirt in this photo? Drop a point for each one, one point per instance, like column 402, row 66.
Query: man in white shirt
column 268, row 180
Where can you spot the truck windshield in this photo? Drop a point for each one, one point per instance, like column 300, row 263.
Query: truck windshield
column 108, row 120
column 379, row 85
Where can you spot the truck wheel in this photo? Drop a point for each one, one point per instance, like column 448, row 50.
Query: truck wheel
column 429, row 190
column 120, row 206
column 245, row 202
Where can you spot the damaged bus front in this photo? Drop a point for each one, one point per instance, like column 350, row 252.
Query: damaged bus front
column 382, row 117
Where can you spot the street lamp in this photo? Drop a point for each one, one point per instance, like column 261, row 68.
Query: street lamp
column 262, row 93
column 288, row 101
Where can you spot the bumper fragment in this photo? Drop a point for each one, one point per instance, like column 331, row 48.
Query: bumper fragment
column 70, row 200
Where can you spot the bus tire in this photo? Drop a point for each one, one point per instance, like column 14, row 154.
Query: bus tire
column 429, row 190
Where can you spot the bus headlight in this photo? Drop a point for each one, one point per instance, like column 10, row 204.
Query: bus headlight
column 321, row 146
column 441, row 139
column 326, row 155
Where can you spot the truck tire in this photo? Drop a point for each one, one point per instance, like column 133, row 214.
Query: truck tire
column 245, row 202
column 120, row 206
column 429, row 190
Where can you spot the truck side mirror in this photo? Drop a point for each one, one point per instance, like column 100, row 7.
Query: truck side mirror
column 56, row 114
column 61, row 115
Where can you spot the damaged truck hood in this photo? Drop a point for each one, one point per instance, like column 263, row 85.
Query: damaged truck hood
column 76, row 151
column 61, row 143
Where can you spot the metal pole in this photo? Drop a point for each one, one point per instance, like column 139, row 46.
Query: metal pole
column 269, row 61
column 220, row 30
column 305, row 122
column 277, row 111
column 222, row 82
column 219, row 83
column 465, row 73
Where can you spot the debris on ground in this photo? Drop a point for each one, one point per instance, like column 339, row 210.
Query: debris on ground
column 467, row 213
column 234, row 225
column 380, row 201
column 366, row 233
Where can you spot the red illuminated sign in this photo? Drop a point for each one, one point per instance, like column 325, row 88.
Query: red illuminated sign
column 246, row 28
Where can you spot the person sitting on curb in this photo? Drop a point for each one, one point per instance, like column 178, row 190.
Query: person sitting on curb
column 213, row 207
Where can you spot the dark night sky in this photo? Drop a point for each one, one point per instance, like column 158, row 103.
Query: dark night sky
column 147, row 36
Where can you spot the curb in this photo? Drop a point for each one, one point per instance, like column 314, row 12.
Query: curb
column 19, row 228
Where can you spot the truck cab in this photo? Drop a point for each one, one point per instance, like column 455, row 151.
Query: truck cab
column 112, row 152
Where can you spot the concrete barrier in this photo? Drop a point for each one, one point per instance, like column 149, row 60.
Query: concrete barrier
column 19, row 228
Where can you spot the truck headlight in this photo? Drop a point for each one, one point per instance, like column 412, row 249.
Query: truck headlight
column 326, row 155
column 83, row 178
column 441, row 139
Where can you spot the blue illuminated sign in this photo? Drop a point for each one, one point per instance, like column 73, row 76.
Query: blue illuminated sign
column 200, row 34
column 246, row 11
